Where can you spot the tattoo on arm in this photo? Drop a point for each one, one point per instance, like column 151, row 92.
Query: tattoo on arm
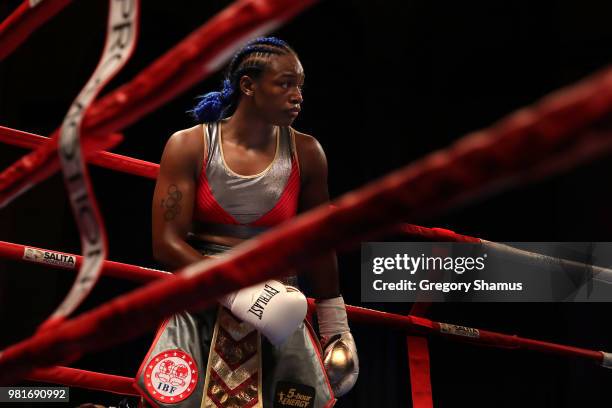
column 171, row 203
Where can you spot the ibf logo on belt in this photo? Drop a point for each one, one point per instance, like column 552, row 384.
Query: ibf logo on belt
column 290, row 394
column 171, row 376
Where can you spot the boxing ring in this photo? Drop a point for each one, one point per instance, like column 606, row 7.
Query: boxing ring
column 564, row 129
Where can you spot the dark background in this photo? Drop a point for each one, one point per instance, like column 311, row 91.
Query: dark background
column 386, row 83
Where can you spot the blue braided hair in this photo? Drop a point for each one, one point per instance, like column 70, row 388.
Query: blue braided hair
column 251, row 60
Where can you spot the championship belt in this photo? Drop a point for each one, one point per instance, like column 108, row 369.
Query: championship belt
column 233, row 375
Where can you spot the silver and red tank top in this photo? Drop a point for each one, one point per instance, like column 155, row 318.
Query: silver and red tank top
column 268, row 198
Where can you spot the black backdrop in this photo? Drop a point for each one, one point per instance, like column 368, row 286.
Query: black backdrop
column 386, row 82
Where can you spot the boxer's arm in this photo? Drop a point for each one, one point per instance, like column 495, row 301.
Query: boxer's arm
column 340, row 352
column 322, row 272
column 173, row 201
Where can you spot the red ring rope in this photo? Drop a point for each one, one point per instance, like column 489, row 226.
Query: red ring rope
column 74, row 377
column 104, row 159
column 18, row 26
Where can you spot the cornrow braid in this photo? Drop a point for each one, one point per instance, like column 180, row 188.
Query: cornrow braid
column 251, row 60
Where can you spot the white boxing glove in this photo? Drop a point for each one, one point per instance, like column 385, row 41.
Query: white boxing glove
column 339, row 349
column 274, row 309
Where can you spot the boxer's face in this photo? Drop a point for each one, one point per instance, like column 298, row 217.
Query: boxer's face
column 277, row 93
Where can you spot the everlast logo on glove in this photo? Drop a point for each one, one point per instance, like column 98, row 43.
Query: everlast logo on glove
column 258, row 307
column 293, row 395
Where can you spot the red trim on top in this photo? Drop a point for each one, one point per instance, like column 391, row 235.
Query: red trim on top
column 207, row 209
column 286, row 206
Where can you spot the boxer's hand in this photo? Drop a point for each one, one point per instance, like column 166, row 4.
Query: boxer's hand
column 339, row 349
column 271, row 307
